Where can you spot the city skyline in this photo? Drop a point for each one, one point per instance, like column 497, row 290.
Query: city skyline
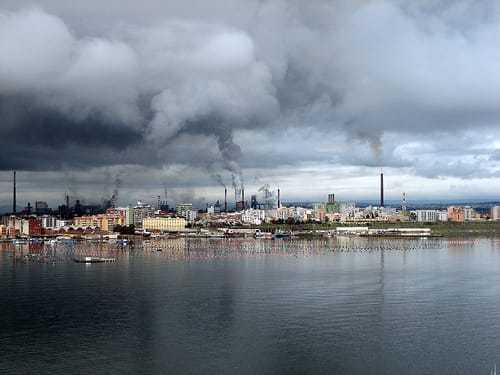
column 189, row 97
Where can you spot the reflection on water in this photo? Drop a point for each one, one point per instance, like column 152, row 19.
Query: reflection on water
column 183, row 248
column 342, row 305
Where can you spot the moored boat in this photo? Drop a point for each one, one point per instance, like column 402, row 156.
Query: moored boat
column 281, row 234
column 93, row 260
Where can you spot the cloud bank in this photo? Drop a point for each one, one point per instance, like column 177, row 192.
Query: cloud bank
column 227, row 87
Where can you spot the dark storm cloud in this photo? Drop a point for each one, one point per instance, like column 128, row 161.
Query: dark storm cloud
column 36, row 138
column 133, row 86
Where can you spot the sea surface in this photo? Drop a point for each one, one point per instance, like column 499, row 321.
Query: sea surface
column 252, row 306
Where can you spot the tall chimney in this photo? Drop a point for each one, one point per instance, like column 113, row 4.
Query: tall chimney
column 225, row 200
column 14, row 195
column 243, row 198
column 279, row 198
column 381, row 190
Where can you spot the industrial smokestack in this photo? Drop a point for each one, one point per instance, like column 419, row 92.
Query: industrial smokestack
column 14, row 195
column 279, row 198
column 225, row 200
column 243, row 198
column 381, row 190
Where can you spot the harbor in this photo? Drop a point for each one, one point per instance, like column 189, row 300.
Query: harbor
column 255, row 305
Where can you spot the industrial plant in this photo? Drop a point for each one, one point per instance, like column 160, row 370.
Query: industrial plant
column 263, row 207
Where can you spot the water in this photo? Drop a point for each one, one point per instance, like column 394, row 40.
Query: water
column 199, row 306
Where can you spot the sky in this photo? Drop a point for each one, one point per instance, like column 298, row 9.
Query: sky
column 183, row 98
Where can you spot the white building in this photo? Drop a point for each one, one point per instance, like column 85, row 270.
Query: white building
column 426, row 215
column 142, row 211
column 495, row 213
column 63, row 223
column 469, row 213
column 442, row 216
column 48, row 221
column 190, row 215
column 128, row 212
column 431, row 215
column 253, row 216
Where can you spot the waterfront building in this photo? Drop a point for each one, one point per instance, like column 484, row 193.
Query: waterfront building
column 3, row 231
column 32, row 227
column 253, row 216
column 299, row 213
column 469, row 213
column 426, row 215
column 282, row 213
column 190, row 215
column 63, row 223
column 128, row 212
column 430, row 215
column 387, row 212
column 106, row 222
column 320, row 214
column 442, row 216
column 141, row 211
column 495, row 213
column 164, row 224
column 129, row 215
column 48, row 221
column 333, row 217
column 455, row 213
column 24, row 226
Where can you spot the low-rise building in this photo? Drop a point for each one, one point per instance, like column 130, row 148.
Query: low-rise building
column 253, row 216
column 3, row 231
column 164, row 224
column 105, row 222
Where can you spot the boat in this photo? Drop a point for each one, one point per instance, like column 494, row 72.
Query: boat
column 93, row 260
column 281, row 234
